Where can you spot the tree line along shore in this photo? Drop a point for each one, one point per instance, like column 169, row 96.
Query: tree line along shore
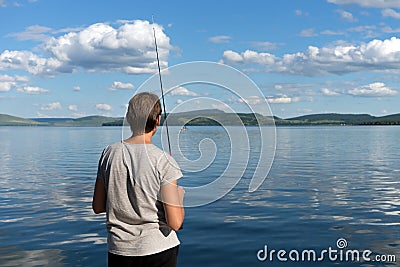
column 213, row 118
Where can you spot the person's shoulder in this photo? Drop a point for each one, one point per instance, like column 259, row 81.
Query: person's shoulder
column 116, row 145
column 155, row 148
column 158, row 151
column 164, row 158
column 113, row 147
column 155, row 151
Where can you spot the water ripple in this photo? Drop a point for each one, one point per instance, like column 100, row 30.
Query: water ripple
column 325, row 183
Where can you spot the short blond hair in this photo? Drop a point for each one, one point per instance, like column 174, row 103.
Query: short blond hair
column 143, row 112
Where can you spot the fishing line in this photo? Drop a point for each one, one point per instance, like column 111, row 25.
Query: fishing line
column 162, row 89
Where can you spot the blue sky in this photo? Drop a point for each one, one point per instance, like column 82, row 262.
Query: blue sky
column 77, row 58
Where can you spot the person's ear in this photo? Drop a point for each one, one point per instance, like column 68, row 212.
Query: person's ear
column 158, row 120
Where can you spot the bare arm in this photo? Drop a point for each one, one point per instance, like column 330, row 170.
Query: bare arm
column 99, row 197
column 172, row 196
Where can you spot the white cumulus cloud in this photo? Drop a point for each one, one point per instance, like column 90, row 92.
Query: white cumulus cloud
column 346, row 15
column 252, row 100
column 51, row 106
column 32, row 63
column 32, row 90
column 220, row 39
column 307, row 33
column 265, row 45
column 128, row 48
column 388, row 12
column 249, row 57
column 104, row 107
column 377, row 55
column 281, row 99
column 6, row 86
column 73, row 107
column 328, row 92
column 8, row 82
column 39, row 33
column 369, row 3
column 182, row 91
column 278, row 99
column 388, row 29
column 377, row 89
column 330, row 32
column 33, row 32
column 120, row 85
column 76, row 88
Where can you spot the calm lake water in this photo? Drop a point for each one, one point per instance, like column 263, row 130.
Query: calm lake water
column 326, row 183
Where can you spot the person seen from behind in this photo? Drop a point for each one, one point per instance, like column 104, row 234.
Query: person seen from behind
column 136, row 186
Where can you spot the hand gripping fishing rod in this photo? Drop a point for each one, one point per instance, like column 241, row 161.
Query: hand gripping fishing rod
column 162, row 94
column 162, row 89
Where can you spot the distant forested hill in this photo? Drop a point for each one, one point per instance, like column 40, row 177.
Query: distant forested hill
column 346, row 119
column 211, row 117
column 7, row 120
column 85, row 121
column 217, row 117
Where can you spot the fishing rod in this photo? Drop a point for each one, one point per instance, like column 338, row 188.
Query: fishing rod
column 162, row 89
column 162, row 94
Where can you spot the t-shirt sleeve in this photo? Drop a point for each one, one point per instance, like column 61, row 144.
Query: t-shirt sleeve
column 100, row 167
column 168, row 169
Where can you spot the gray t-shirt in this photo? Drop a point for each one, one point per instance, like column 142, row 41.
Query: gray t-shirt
column 133, row 175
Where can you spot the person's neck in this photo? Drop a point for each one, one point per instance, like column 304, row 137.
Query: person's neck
column 145, row 138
